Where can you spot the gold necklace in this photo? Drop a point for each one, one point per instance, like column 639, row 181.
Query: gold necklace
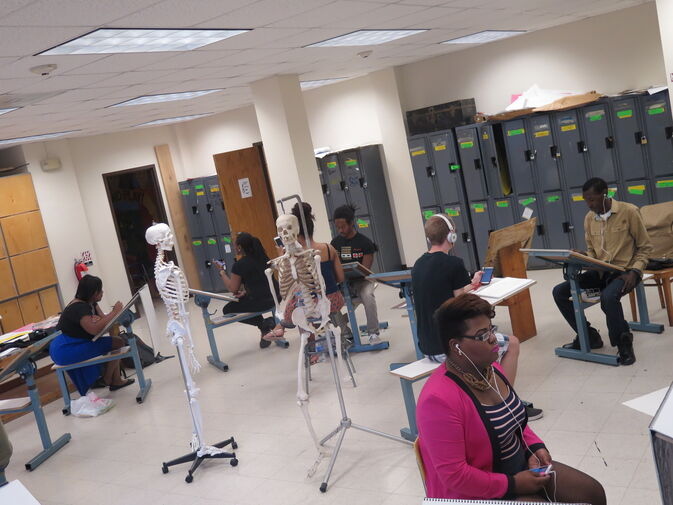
column 480, row 384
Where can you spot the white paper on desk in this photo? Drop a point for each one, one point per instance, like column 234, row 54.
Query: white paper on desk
column 148, row 309
column 16, row 494
column 501, row 288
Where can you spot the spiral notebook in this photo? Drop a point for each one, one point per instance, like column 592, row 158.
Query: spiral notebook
column 436, row 501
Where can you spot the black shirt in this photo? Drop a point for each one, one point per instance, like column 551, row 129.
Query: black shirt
column 353, row 249
column 434, row 277
column 69, row 322
column 252, row 275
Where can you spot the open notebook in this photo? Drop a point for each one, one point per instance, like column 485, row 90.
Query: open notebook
column 436, row 501
column 501, row 288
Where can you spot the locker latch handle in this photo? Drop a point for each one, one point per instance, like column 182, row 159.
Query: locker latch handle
column 208, row 263
column 363, row 183
column 325, row 189
column 555, row 152
column 494, row 162
column 466, row 237
column 209, row 207
column 669, row 132
column 609, row 142
column 343, row 186
column 477, row 164
column 582, row 147
column 530, row 154
column 567, row 227
column 195, row 210
column 429, row 171
column 540, row 229
column 641, row 138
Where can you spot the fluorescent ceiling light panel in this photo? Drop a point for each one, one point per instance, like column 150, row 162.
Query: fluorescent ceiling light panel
column 120, row 40
column 178, row 119
column 485, row 36
column 35, row 137
column 168, row 97
column 5, row 111
column 366, row 38
column 319, row 82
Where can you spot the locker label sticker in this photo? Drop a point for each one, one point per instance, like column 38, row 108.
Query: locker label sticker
column 636, row 190
column 212, row 241
column 439, row 146
column 527, row 201
column 502, row 203
column 331, row 164
column 568, row 127
column 227, row 248
column 453, row 167
column 363, row 223
column 595, row 115
column 625, row 114
column 527, row 213
column 518, row 131
column 577, row 197
column 467, row 144
column 226, row 240
column 200, row 193
column 544, row 133
column 350, row 162
column 479, row 207
column 196, row 243
column 655, row 109
column 214, row 189
column 245, row 187
column 418, row 152
column 198, row 186
column 427, row 214
column 612, row 192
column 553, row 198
column 452, row 212
column 665, row 184
column 185, row 192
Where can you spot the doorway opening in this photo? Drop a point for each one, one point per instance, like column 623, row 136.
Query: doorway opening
column 135, row 201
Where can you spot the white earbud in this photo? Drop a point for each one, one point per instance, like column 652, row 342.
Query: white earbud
column 460, row 353
column 452, row 237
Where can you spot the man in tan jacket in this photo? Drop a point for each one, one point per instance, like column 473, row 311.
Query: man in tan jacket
column 614, row 233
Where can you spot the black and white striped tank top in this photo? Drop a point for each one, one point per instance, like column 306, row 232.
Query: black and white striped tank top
column 506, row 419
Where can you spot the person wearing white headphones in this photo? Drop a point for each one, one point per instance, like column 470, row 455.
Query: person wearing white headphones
column 473, row 431
column 615, row 233
column 438, row 276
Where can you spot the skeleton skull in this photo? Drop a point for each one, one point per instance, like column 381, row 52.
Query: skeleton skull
column 160, row 234
column 288, row 229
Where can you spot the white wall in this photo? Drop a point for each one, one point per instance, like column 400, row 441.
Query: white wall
column 608, row 53
column 665, row 11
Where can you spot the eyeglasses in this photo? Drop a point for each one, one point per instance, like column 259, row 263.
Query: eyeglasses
column 483, row 335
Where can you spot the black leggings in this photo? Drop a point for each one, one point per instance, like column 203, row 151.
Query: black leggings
column 570, row 485
column 246, row 304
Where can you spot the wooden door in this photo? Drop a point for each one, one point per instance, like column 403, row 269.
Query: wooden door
column 247, row 195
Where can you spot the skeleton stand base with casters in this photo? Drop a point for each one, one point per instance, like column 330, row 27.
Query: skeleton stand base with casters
column 345, row 422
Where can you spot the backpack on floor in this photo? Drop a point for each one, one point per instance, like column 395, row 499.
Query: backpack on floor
column 145, row 352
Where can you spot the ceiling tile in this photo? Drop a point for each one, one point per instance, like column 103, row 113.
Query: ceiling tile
column 264, row 12
column 28, row 40
column 178, row 13
column 121, row 62
column 21, row 68
column 328, row 14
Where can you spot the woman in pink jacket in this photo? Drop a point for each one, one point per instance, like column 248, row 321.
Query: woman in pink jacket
column 473, row 431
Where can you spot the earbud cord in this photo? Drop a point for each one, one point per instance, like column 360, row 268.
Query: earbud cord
column 497, row 391
column 603, row 225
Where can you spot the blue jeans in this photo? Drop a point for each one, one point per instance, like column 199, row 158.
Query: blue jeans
column 611, row 294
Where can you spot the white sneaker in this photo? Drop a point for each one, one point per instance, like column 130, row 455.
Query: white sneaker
column 374, row 339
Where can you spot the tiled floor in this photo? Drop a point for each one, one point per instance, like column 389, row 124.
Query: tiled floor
column 116, row 458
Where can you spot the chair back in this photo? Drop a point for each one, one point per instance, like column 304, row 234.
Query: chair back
column 658, row 220
column 419, row 461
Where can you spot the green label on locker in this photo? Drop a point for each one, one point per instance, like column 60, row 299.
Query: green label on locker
column 427, row 214
column 454, row 167
column 466, row 145
column 527, row 201
column 185, row 191
column 596, row 115
column 624, row 114
column 636, row 190
column 226, row 240
column 502, row 203
column 656, row 110
column 612, row 192
column 553, row 198
column 212, row 241
column 479, row 207
column 199, row 186
column 331, row 164
column 665, row 184
column 519, row 131
column 362, row 223
column 197, row 243
column 351, row 162
column 452, row 212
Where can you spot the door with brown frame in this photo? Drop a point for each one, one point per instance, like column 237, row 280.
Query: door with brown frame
column 247, row 194
column 135, row 201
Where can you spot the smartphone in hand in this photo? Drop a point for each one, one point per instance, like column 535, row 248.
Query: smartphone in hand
column 278, row 241
column 542, row 470
column 219, row 263
column 487, row 275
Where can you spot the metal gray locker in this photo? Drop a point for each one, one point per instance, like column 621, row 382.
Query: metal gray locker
column 191, row 208
column 571, row 149
column 663, row 189
column 520, row 156
column 364, row 225
column 447, row 167
column 428, row 212
column 578, row 210
column 205, row 220
column 637, row 192
column 424, row 172
column 463, row 247
column 213, row 252
column 531, row 201
column 335, row 183
column 556, row 224
column 471, row 163
column 227, row 251
column 495, row 165
column 355, row 180
column 630, row 139
column 202, row 261
column 544, row 152
column 656, row 110
column 502, row 212
column 599, row 141
column 481, row 224
column 326, row 193
column 215, row 205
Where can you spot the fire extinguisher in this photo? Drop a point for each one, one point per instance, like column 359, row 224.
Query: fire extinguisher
column 80, row 269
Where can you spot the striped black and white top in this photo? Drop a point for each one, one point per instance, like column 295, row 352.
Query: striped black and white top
column 507, row 418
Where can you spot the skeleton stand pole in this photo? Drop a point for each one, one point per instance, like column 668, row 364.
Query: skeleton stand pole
column 345, row 422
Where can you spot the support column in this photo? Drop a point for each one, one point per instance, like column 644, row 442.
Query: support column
column 281, row 116
column 399, row 173
column 665, row 15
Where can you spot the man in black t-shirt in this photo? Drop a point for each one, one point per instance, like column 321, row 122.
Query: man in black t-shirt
column 353, row 246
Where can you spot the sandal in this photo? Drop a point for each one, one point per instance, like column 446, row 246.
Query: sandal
column 277, row 333
column 127, row 382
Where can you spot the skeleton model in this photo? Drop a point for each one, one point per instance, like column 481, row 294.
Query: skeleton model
column 174, row 292
column 299, row 276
